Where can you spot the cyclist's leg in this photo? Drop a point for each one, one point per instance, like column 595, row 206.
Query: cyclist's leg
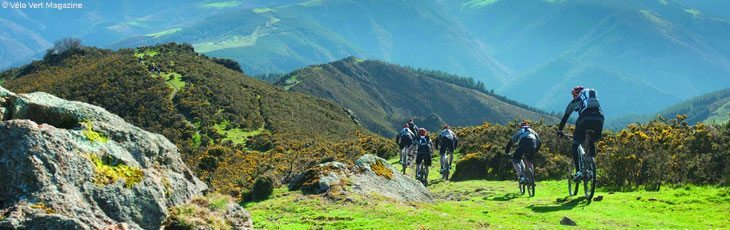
column 579, row 136
column 419, row 165
column 403, row 152
column 516, row 158
column 596, row 125
column 443, row 158
column 451, row 156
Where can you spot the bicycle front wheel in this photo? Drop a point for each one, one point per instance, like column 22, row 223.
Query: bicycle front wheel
column 589, row 181
column 530, row 182
column 572, row 185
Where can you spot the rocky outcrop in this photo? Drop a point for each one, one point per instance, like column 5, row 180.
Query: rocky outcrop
column 71, row 165
column 370, row 175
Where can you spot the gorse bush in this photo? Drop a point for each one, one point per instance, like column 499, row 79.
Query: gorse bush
column 659, row 152
column 666, row 151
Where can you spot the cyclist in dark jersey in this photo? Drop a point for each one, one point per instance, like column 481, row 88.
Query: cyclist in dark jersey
column 528, row 144
column 590, row 117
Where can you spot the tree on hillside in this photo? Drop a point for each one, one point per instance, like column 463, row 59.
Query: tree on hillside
column 65, row 44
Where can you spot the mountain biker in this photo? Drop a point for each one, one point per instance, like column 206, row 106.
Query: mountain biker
column 590, row 117
column 425, row 150
column 404, row 139
column 446, row 142
column 528, row 144
column 412, row 126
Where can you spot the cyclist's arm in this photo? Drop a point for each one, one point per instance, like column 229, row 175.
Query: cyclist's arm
column 508, row 147
column 569, row 110
column 539, row 142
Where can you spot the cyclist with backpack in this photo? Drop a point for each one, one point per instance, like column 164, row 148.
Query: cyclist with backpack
column 423, row 159
column 590, row 117
column 404, row 139
column 446, row 142
column 412, row 126
column 528, row 144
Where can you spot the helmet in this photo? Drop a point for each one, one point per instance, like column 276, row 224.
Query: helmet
column 446, row 126
column 422, row 132
column 576, row 91
column 524, row 124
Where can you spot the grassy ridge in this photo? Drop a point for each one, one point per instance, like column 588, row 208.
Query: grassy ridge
column 384, row 95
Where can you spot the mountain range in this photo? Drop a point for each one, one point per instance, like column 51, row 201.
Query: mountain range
column 642, row 56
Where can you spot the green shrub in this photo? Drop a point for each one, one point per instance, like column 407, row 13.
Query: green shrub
column 262, row 190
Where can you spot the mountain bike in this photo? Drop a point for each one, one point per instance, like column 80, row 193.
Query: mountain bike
column 422, row 173
column 445, row 163
column 529, row 184
column 587, row 167
column 406, row 157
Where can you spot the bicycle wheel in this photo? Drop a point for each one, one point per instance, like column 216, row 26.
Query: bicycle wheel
column 572, row 185
column 424, row 176
column 522, row 188
column 530, row 174
column 404, row 159
column 589, row 181
column 445, row 167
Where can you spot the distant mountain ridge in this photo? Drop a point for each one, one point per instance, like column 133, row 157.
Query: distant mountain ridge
column 643, row 55
column 383, row 96
column 712, row 108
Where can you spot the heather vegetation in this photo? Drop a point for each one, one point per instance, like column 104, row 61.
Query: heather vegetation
column 231, row 128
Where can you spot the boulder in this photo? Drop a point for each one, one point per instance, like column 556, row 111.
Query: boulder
column 567, row 221
column 371, row 175
column 71, row 165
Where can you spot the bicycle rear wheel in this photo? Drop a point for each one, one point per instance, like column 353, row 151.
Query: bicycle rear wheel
column 530, row 174
column 404, row 159
column 589, row 182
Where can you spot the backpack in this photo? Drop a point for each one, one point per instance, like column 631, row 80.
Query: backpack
column 589, row 100
column 424, row 144
column 526, row 133
column 406, row 134
column 447, row 134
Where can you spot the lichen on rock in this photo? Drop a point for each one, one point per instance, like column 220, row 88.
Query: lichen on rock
column 71, row 165
column 371, row 175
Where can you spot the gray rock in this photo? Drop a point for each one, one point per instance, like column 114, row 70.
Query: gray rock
column 567, row 221
column 52, row 153
column 370, row 175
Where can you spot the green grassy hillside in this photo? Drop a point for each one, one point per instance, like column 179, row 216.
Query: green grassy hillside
column 383, row 96
column 482, row 204
column 218, row 117
column 712, row 107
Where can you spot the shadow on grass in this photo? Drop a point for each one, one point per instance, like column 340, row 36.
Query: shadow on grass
column 506, row 197
column 567, row 204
